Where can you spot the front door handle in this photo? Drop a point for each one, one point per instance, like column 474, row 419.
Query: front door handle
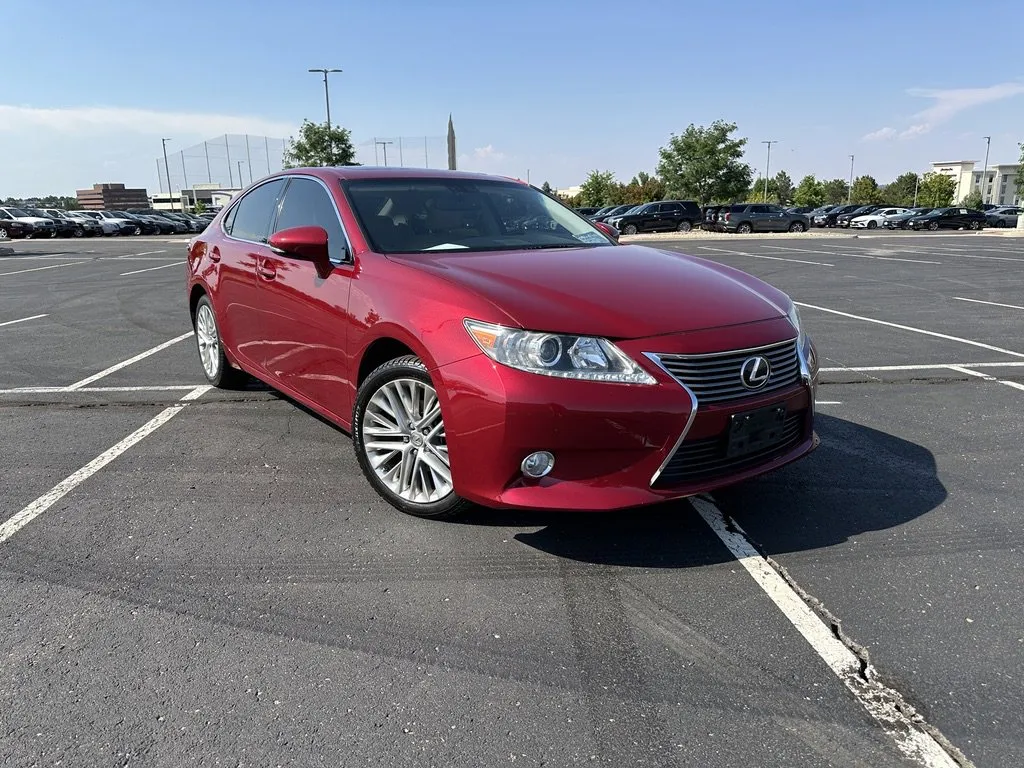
column 267, row 271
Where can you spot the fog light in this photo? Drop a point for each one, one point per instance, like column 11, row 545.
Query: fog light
column 537, row 464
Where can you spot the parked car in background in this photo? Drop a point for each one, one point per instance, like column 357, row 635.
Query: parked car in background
column 665, row 215
column 476, row 359
column 804, row 209
column 1003, row 216
column 821, row 210
column 949, row 218
column 843, row 220
column 902, row 220
column 601, row 211
column 82, row 227
column 829, row 219
column 710, row 220
column 588, row 212
column 90, row 226
column 64, row 227
column 41, row 225
column 142, row 226
column 875, row 219
column 744, row 218
column 616, row 210
column 164, row 225
column 12, row 228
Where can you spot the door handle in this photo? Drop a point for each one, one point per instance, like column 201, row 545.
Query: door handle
column 266, row 271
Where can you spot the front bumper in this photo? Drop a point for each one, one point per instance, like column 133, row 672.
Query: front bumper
column 614, row 444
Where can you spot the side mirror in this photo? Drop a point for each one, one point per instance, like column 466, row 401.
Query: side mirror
column 608, row 229
column 308, row 243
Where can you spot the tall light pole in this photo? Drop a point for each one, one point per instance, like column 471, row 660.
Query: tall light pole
column 167, row 171
column 327, row 99
column 767, row 165
column 849, row 189
column 917, row 185
column 984, row 174
column 384, row 144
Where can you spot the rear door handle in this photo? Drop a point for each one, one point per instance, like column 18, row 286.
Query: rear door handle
column 215, row 254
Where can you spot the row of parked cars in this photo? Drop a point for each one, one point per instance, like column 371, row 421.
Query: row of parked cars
column 51, row 222
column 742, row 218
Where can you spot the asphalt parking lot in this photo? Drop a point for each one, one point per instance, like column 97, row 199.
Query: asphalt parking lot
column 198, row 577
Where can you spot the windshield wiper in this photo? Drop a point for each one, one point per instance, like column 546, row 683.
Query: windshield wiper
column 552, row 245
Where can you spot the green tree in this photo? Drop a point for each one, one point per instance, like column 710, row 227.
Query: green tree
column 936, row 190
column 316, row 146
column 705, row 163
column 546, row 188
column 783, row 188
column 599, row 189
column 809, row 192
column 643, row 188
column 973, row 200
column 756, row 193
column 835, row 191
column 200, row 207
column 865, row 191
column 900, row 191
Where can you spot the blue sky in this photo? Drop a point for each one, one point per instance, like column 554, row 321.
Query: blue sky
column 558, row 87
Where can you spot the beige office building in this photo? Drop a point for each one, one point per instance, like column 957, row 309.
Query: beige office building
column 1000, row 183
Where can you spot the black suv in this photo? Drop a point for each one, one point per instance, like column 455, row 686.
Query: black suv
column 949, row 218
column 844, row 219
column 829, row 219
column 680, row 215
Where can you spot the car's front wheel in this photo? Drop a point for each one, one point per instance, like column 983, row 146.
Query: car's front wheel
column 400, row 440
column 934, row 225
column 629, row 229
column 872, row 225
column 797, row 226
column 216, row 368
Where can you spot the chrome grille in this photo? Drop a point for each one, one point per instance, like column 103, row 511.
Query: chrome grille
column 715, row 378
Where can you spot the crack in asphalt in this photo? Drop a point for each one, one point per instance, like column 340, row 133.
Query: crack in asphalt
column 868, row 680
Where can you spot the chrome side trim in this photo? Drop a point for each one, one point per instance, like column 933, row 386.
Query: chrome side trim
column 689, row 421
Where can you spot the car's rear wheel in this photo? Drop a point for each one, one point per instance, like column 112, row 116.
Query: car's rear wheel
column 872, row 225
column 137, row 231
column 797, row 226
column 975, row 225
column 745, row 228
column 629, row 229
column 216, row 368
column 401, row 443
column 934, row 225
column 684, row 226
column 79, row 232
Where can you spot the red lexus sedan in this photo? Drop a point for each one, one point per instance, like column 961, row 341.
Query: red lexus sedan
column 484, row 343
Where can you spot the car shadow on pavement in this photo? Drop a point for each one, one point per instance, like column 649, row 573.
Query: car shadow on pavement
column 858, row 480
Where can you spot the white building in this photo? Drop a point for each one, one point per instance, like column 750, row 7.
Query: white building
column 1000, row 182
column 211, row 195
column 569, row 191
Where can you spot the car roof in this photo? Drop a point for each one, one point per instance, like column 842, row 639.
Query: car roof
column 353, row 172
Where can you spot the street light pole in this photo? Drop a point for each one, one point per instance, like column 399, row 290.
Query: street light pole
column 849, row 190
column 767, row 166
column 917, row 184
column 167, row 171
column 984, row 174
column 384, row 144
column 327, row 100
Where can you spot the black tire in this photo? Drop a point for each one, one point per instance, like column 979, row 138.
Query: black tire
column 224, row 377
column 684, row 226
column 872, row 224
column 137, row 231
column 3, row 233
column 629, row 229
column 745, row 228
column 797, row 226
column 408, row 367
column 79, row 232
column 53, row 232
column 975, row 225
column 933, row 225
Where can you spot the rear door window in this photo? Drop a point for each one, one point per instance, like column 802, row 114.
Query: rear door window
column 252, row 217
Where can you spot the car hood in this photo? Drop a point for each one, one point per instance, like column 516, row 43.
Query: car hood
column 621, row 292
column 34, row 220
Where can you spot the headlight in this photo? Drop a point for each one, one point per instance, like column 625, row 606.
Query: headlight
column 551, row 354
column 794, row 319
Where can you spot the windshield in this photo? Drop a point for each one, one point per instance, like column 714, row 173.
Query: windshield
column 16, row 212
column 450, row 214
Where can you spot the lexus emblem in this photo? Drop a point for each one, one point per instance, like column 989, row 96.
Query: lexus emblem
column 754, row 372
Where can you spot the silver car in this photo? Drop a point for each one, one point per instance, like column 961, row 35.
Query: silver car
column 1004, row 216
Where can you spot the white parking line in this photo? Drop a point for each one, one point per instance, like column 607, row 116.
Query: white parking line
column 925, row 367
column 827, row 402
column 886, row 705
column 14, row 524
column 22, row 320
column 762, row 256
column 40, row 269
column 66, row 390
column 986, row 377
column 131, row 360
column 913, row 330
column 992, row 303
column 857, row 255
column 144, row 253
column 150, row 269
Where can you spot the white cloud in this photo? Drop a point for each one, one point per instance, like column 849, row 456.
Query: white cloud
column 488, row 153
column 880, row 135
column 947, row 104
column 99, row 120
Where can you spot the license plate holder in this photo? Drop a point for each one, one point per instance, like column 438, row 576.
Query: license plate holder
column 752, row 431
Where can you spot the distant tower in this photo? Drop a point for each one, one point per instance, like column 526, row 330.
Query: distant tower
column 451, row 144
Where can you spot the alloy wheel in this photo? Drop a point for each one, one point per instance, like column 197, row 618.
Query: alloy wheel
column 208, row 340
column 405, row 442
column 3, row 233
